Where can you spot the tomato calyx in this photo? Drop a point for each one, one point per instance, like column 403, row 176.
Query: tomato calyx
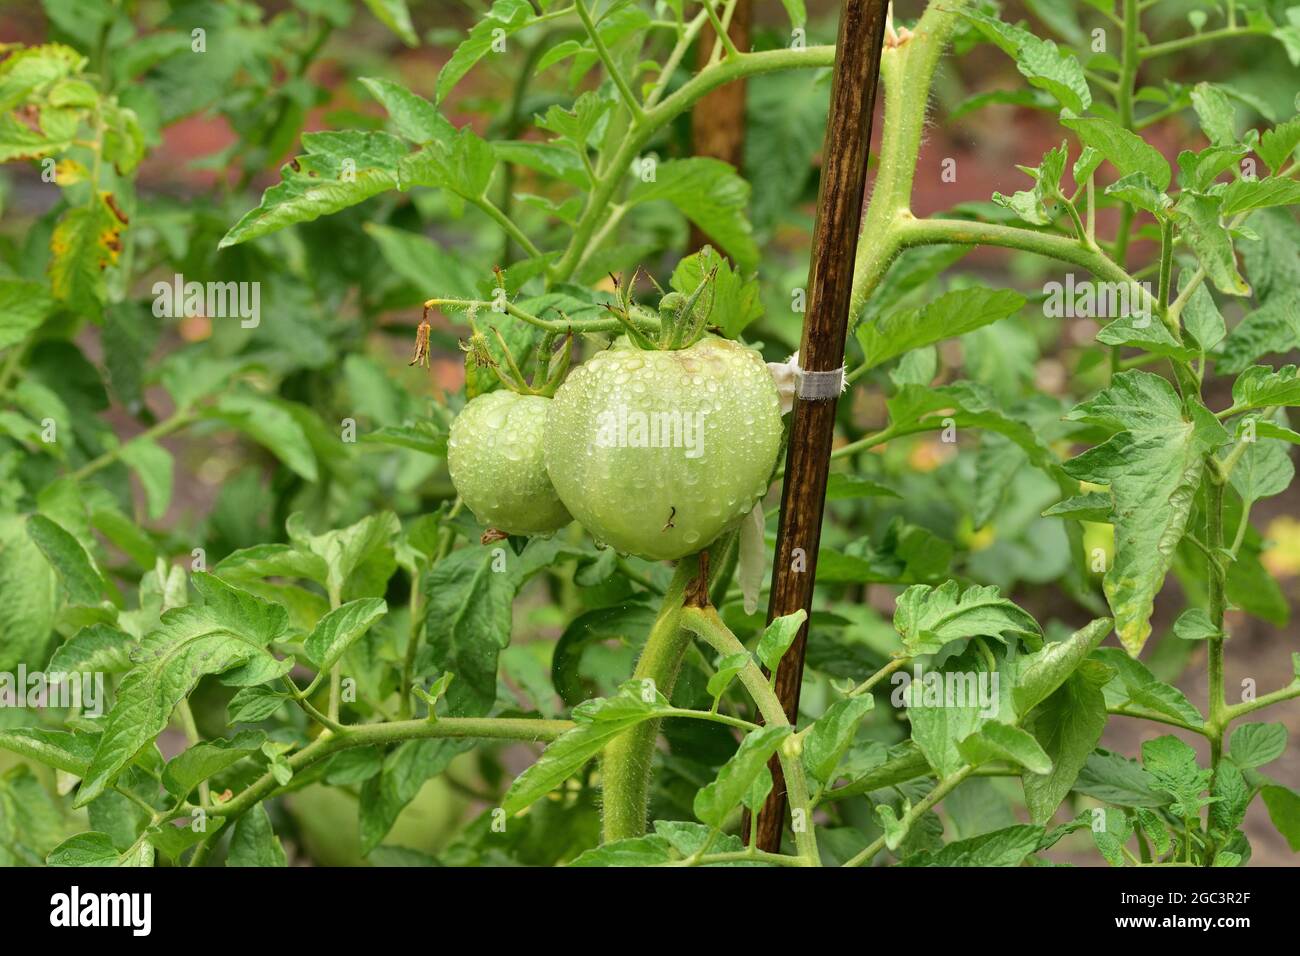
column 682, row 319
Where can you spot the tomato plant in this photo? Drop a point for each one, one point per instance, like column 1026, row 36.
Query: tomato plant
column 268, row 593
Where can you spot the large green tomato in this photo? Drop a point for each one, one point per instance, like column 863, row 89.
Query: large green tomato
column 657, row 452
column 494, row 454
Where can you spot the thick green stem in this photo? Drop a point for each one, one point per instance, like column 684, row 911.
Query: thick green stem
column 906, row 72
column 1124, row 105
column 625, row 771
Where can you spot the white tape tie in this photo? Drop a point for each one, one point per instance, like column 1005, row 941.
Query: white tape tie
column 819, row 386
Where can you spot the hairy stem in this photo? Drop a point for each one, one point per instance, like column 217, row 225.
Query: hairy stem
column 625, row 771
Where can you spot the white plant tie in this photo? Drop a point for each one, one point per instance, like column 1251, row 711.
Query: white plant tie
column 819, row 386
column 791, row 380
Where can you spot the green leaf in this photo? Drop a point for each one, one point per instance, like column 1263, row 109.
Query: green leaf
column 952, row 314
column 203, row 760
column 1092, row 506
column 97, row 648
column 1247, row 194
column 414, row 117
column 1215, row 111
column 254, row 842
column 717, row 799
column 97, row 849
column 507, row 16
column 1201, row 316
column 1153, row 467
column 1197, row 171
column 1040, row 673
column 228, row 632
column 1111, row 839
column 81, row 577
column 1173, row 768
column 59, row 749
column 23, row 307
column 649, row 850
column 1273, row 327
column 710, row 194
column 469, row 596
column 831, row 735
column 270, row 426
column 946, row 705
column 1261, row 386
column 85, row 243
column 1198, row 219
column 463, row 165
column 998, row 741
column 338, row 629
column 423, row 262
column 785, row 118
column 1040, row 61
column 337, row 170
column 1253, row 745
column 927, row 617
column 1263, row 471
column 405, row 771
column 777, row 638
column 252, row 705
column 1195, row 625
column 1284, row 810
column 1277, row 146
column 152, row 464
column 599, row 721
column 1136, row 688
column 1126, row 151
column 1138, row 190
column 842, row 487
column 1113, row 778
column 358, row 559
column 1067, row 725
column 1005, row 847
column 1232, row 795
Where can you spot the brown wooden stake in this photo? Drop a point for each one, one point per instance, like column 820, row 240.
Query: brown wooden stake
column 835, row 243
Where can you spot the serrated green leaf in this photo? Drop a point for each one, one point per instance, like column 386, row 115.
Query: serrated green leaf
column 228, row 633
column 1253, row 745
column 710, row 194
column 338, row 629
column 777, row 638
column 336, row 170
column 999, row 741
column 952, row 314
column 717, row 799
column 82, row 578
column 927, row 618
column 831, row 735
column 191, row 767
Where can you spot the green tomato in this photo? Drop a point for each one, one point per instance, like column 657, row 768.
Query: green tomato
column 495, row 458
column 656, row 453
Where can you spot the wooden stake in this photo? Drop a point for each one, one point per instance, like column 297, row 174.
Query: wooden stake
column 835, row 243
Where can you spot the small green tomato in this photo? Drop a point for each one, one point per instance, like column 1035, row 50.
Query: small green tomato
column 495, row 457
